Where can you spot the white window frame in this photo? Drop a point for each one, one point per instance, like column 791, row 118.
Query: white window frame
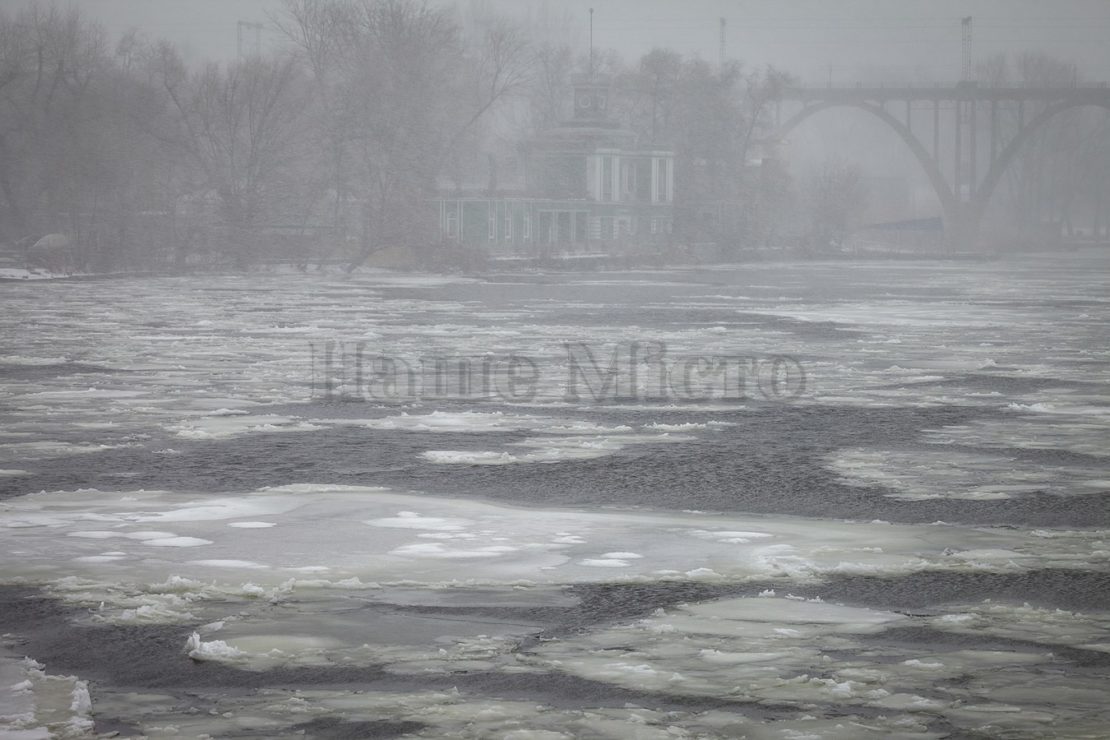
column 452, row 223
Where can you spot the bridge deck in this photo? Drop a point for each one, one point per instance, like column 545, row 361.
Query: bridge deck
column 1086, row 94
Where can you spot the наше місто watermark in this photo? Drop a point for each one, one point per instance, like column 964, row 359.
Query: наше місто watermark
column 577, row 373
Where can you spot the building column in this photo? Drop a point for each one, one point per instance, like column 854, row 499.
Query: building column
column 616, row 177
column 598, row 173
column 654, row 179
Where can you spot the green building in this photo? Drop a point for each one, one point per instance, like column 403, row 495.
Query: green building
column 588, row 189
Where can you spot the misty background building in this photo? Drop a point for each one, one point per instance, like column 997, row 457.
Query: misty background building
column 585, row 187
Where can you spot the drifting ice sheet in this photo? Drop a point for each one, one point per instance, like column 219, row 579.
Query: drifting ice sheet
column 338, row 533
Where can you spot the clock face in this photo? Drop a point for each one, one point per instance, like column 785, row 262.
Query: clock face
column 584, row 100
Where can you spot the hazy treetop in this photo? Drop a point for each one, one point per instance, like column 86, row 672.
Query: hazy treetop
column 875, row 39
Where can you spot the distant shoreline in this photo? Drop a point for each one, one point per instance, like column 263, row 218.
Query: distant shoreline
column 572, row 263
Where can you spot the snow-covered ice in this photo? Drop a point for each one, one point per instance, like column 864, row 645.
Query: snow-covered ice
column 346, row 532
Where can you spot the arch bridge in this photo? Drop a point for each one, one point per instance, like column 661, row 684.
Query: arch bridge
column 960, row 115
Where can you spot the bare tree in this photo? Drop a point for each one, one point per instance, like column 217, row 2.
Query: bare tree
column 712, row 119
column 241, row 126
column 834, row 201
column 550, row 86
column 1059, row 164
column 50, row 62
column 401, row 90
column 315, row 31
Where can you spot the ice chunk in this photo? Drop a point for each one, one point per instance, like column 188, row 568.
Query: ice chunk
column 177, row 542
column 234, row 564
column 212, row 650
column 413, row 520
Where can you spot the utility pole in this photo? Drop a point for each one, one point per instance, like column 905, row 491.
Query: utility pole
column 966, row 72
column 721, row 48
column 257, row 28
column 591, row 44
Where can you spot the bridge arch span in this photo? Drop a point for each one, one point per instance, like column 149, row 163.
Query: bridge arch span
column 1009, row 153
column 962, row 218
column 943, row 190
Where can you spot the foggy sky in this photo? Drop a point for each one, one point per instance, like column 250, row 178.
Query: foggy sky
column 870, row 39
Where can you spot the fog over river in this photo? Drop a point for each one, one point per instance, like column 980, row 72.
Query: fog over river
column 835, row 500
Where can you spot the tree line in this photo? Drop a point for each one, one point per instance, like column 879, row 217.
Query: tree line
column 328, row 146
column 143, row 158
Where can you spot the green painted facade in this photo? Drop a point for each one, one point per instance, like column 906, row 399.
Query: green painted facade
column 523, row 226
column 587, row 190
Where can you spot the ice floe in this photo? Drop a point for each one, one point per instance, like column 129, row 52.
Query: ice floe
column 347, row 532
column 813, row 655
column 37, row 705
column 920, row 473
column 553, row 449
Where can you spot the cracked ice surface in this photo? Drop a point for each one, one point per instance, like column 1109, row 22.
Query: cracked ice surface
column 338, row 533
column 287, row 576
column 938, row 473
column 37, row 705
column 458, row 714
column 810, row 654
column 188, row 356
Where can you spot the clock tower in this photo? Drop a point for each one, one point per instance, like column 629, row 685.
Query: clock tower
column 591, row 101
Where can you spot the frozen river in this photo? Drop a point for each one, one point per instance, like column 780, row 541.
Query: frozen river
column 843, row 500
